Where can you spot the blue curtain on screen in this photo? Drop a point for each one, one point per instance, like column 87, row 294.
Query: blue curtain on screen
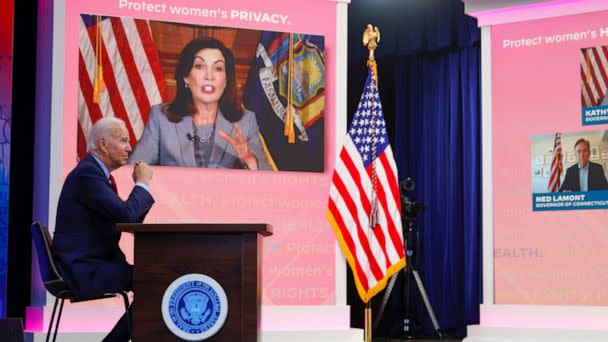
column 429, row 64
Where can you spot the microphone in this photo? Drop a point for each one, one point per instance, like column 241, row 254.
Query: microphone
column 192, row 138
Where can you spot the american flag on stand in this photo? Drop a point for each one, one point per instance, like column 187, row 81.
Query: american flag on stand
column 119, row 74
column 364, row 206
column 556, row 165
column 594, row 75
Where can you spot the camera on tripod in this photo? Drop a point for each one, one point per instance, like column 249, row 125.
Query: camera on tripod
column 409, row 206
column 409, row 210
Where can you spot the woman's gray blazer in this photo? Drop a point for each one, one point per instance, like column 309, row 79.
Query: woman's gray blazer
column 166, row 143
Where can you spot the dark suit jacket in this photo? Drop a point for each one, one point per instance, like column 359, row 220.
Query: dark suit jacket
column 85, row 243
column 596, row 180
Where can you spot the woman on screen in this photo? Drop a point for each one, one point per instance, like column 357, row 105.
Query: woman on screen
column 204, row 126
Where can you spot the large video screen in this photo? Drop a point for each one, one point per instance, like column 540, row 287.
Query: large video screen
column 205, row 96
column 550, row 154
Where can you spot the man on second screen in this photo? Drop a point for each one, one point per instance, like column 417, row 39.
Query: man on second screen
column 584, row 175
column 86, row 239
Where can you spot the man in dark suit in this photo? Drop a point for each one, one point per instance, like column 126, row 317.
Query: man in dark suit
column 584, row 175
column 86, row 240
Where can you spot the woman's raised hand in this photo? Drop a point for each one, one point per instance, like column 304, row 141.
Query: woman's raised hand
column 240, row 146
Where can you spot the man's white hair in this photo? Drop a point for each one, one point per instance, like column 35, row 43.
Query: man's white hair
column 102, row 129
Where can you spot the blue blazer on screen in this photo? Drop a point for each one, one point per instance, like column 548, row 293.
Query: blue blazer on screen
column 596, row 180
column 85, row 242
column 166, row 143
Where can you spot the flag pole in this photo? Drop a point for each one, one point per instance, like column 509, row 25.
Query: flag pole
column 371, row 37
column 368, row 322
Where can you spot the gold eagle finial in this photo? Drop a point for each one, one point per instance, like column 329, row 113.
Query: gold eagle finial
column 371, row 37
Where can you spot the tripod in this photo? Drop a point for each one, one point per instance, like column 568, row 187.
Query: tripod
column 409, row 220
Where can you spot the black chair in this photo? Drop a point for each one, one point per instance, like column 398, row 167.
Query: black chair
column 52, row 279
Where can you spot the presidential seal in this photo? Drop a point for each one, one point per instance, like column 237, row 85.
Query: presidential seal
column 194, row 307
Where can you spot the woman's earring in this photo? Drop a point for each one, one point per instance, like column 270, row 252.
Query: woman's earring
column 187, row 85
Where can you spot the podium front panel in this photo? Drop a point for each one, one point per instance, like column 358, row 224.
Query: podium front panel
column 233, row 260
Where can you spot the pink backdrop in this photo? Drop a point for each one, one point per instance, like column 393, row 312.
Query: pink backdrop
column 299, row 258
column 553, row 257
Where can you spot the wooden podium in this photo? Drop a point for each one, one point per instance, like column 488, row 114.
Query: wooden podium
column 229, row 253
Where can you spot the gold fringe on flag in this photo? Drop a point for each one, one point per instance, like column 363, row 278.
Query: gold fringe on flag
column 289, row 131
column 98, row 83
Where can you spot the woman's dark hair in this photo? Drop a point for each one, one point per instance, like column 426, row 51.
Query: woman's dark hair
column 183, row 104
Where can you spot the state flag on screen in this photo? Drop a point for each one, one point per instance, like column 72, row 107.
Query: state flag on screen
column 119, row 74
column 266, row 93
column 364, row 207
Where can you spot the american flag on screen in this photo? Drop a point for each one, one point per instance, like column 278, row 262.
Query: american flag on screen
column 556, row 165
column 119, row 74
column 364, row 207
column 594, row 75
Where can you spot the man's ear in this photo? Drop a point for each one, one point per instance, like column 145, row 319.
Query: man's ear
column 102, row 144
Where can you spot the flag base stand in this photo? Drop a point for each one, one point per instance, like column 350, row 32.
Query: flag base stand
column 409, row 272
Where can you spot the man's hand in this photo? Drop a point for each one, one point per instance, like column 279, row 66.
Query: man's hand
column 142, row 172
